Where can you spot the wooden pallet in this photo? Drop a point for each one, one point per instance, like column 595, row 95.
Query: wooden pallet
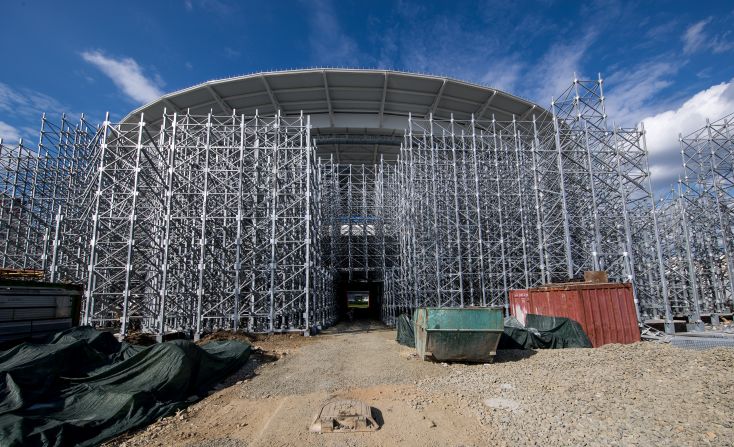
column 21, row 274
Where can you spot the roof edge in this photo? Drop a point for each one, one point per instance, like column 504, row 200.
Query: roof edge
column 214, row 82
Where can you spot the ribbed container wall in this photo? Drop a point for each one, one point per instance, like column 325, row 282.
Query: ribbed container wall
column 30, row 310
column 519, row 304
column 606, row 311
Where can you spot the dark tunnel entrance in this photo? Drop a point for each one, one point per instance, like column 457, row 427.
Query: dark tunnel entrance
column 359, row 300
column 359, row 239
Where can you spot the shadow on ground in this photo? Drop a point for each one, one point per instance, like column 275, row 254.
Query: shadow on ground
column 513, row 355
column 348, row 327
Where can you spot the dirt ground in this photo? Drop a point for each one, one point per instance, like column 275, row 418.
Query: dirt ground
column 641, row 394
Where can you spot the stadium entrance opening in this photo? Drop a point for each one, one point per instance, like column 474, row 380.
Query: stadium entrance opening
column 361, row 249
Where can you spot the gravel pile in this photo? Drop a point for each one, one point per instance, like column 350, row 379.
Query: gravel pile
column 641, row 394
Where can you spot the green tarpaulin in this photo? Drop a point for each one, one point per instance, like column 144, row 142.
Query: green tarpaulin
column 84, row 387
column 541, row 332
column 406, row 331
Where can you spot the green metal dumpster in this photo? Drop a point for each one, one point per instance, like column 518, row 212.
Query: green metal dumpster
column 458, row 334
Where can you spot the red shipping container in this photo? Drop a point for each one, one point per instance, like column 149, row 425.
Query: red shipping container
column 605, row 311
column 519, row 304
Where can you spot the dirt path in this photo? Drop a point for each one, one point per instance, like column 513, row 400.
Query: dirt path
column 640, row 394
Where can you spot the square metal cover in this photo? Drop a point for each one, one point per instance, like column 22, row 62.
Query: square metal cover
column 344, row 416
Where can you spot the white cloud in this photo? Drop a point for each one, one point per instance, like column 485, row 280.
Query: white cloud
column 504, row 74
column 713, row 103
column 465, row 51
column 696, row 39
column 8, row 133
column 329, row 43
column 545, row 78
column 662, row 30
column 21, row 110
column 231, row 53
column 663, row 128
column 220, row 7
column 554, row 72
column 26, row 103
column 127, row 75
column 660, row 171
column 481, row 55
column 630, row 91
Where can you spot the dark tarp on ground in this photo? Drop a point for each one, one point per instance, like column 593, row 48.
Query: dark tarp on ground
column 541, row 332
column 406, row 332
column 84, row 387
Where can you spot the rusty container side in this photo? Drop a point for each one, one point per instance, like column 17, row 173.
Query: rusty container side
column 556, row 303
column 606, row 312
column 611, row 312
column 519, row 304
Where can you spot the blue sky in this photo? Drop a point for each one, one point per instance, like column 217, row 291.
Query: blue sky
column 669, row 63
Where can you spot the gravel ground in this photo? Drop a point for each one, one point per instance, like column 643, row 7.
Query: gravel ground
column 641, row 394
column 345, row 358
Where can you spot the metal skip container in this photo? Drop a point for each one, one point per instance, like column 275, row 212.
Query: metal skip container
column 458, row 334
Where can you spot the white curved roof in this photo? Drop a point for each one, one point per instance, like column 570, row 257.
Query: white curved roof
column 357, row 115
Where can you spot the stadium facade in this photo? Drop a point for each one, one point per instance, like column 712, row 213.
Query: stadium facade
column 262, row 202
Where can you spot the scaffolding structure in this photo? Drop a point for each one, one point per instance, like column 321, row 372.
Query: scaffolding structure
column 195, row 224
column 357, row 218
column 496, row 206
column 204, row 222
column 698, row 224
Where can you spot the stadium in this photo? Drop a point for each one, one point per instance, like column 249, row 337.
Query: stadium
column 270, row 202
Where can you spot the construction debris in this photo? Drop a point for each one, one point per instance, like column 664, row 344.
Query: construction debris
column 344, row 415
column 21, row 274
